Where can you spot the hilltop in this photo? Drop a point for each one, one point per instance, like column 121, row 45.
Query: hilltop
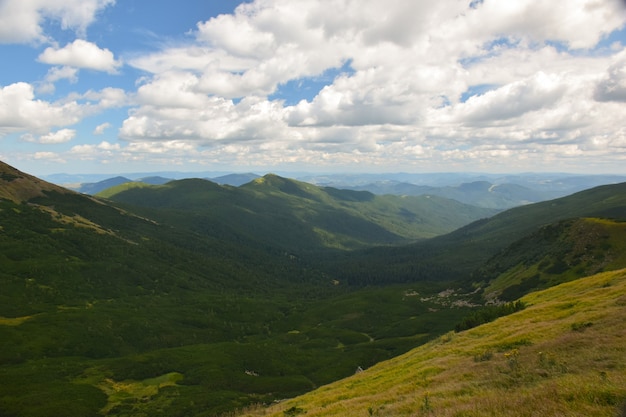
column 296, row 216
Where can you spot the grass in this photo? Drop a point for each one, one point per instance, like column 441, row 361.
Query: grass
column 130, row 392
column 13, row 321
column 563, row 355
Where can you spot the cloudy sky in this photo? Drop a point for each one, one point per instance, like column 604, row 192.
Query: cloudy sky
column 109, row 86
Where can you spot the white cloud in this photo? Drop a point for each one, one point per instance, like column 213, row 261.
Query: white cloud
column 21, row 111
column 55, row 74
column 49, row 157
column 106, row 98
column 81, row 54
column 60, row 136
column 21, row 21
column 612, row 87
column 60, row 73
column 513, row 100
column 409, row 94
column 99, row 130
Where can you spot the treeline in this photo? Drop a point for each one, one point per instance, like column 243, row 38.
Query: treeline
column 488, row 314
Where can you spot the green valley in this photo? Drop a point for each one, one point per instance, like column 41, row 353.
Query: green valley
column 196, row 299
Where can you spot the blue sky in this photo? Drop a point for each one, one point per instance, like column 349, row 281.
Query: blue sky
column 114, row 86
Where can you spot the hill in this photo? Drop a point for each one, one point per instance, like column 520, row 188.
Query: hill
column 17, row 186
column 562, row 355
column 235, row 179
column 476, row 193
column 96, row 187
column 554, row 254
column 456, row 255
column 182, row 299
column 107, row 311
column 294, row 216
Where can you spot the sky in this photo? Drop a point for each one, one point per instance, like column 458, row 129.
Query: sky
column 119, row 86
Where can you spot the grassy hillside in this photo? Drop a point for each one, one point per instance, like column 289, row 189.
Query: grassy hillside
column 456, row 255
column 563, row 355
column 556, row 253
column 295, row 216
column 108, row 312
column 195, row 300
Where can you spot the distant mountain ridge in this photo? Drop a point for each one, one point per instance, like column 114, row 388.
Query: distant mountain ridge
column 483, row 190
column 193, row 298
column 472, row 245
column 271, row 209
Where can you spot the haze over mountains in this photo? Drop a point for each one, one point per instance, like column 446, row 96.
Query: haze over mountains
column 483, row 190
column 192, row 298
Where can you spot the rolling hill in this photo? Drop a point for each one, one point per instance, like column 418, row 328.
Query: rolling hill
column 195, row 299
column 457, row 255
column 295, row 216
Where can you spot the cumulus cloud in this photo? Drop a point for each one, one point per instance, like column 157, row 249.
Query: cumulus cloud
column 81, row 54
column 49, row 157
column 99, row 130
column 60, row 136
column 413, row 83
column 21, row 21
column 613, row 85
column 21, row 111
column 513, row 100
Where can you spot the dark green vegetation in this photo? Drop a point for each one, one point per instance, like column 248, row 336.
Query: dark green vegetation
column 193, row 299
column 294, row 216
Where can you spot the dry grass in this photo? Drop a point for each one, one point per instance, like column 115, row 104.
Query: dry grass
column 562, row 356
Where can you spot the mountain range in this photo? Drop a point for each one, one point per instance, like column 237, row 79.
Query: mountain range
column 193, row 298
column 483, row 190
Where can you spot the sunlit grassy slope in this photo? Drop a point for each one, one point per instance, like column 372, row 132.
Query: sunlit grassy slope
column 564, row 355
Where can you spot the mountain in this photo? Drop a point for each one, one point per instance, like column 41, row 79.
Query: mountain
column 456, row 255
column 295, row 216
column 235, row 179
column 18, row 186
column 108, row 311
column 477, row 193
column 562, row 355
column 153, row 180
column 95, row 188
column 555, row 253
column 483, row 190
column 193, row 298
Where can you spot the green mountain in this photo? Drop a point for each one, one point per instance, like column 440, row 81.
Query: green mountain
column 295, row 216
column 108, row 311
column 556, row 253
column 457, row 255
column 194, row 299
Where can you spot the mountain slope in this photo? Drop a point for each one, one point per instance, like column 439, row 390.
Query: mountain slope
column 295, row 216
column 105, row 311
column 476, row 193
column 562, row 355
column 457, row 254
column 18, row 186
column 556, row 253
column 96, row 187
column 190, row 308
